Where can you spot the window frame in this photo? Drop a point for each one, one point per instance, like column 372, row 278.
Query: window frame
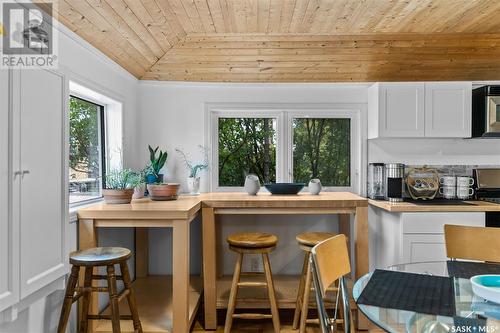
column 102, row 145
column 284, row 114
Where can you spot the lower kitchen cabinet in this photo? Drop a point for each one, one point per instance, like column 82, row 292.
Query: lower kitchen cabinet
column 33, row 194
column 398, row 238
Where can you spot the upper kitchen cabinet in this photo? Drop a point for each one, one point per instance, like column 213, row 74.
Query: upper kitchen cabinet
column 448, row 109
column 396, row 110
column 417, row 110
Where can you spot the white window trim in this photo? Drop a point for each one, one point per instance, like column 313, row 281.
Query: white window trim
column 284, row 114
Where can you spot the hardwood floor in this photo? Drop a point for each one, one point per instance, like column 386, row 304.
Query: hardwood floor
column 258, row 326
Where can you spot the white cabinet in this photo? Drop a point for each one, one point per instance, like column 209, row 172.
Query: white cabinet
column 418, row 109
column 396, row 110
column 42, row 195
column 33, row 174
column 9, row 255
column 398, row 238
column 448, row 109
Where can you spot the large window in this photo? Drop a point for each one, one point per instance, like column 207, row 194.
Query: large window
column 285, row 146
column 246, row 146
column 321, row 149
column 86, row 150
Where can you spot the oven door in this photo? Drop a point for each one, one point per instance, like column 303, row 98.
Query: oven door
column 493, row 114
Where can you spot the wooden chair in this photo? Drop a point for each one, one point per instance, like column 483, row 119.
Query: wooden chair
column 307, row 241
column 330, row 263
column 252, row 243
column 472, row 243
column 89, row 259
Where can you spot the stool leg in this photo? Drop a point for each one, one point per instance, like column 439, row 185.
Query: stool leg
column 305, row 300
column 113, row 299
column 233, row 294
column 87, row 283
column 68, row 299
column 131, row 297
column 272, row 295
column 300, row 293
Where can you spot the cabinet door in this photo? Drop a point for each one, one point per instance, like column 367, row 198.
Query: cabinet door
column 425, row 248
column 9, row 260
column 448, row 109
column 401, row 108
column 43, row 196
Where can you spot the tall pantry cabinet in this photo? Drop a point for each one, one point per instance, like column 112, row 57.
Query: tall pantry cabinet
column 33, row 182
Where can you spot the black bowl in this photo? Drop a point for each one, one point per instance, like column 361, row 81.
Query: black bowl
column 284, row 188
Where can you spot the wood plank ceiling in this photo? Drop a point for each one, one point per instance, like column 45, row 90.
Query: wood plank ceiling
column 293, row 40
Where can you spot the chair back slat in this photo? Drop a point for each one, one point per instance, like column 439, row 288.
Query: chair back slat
column 472, row 243
column 331, row 260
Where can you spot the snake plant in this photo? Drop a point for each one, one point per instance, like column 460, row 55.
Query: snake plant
column 157, row 162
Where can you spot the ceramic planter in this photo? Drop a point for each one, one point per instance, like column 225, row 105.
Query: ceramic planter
column 163, row 191
column 117, row 196
column 193, row 184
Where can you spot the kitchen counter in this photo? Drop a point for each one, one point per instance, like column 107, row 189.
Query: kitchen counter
column 470, row 206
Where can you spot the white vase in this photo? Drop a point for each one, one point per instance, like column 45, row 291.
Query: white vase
column 193, row 184
column 252, row 184
column 139, row 191
column 315, row 186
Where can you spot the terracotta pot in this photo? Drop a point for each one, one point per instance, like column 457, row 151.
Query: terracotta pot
column 117, row 196
column 163, row 191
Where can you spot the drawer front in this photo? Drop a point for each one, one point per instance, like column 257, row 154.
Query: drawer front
column 433, row 222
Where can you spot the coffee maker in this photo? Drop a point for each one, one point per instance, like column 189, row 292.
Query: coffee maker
column 394, row 176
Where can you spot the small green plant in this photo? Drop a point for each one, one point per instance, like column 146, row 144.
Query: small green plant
column 122, row 179
column 194, row 168
column 157, row 162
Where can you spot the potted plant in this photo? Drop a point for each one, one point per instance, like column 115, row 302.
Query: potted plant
column 162, row 191
column 193, row 181
column 140, row 189
column 120, row 185
column 156, row 163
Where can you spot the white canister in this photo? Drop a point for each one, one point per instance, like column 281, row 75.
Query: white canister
column 448, row 192
column 464, row 192
column 252, row 184
column 465, row 181
column 315, row 186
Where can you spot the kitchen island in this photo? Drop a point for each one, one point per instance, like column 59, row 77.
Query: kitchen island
column 155, row 297
column 408, row 232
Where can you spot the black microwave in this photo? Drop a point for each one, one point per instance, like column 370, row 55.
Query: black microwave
column 486, row 112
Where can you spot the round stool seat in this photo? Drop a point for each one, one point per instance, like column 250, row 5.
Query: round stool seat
column 313, row 238
column 253, row 240
column 99, row 256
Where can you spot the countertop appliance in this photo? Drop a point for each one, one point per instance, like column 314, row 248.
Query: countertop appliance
column 376, row 181
column 486, row 112
column 487, row 188
column 394, row 175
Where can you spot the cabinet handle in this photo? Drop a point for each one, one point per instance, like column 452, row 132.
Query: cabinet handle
column 18, row 173
column 25, row 172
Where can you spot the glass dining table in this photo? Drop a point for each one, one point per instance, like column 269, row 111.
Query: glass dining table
column 472, row 313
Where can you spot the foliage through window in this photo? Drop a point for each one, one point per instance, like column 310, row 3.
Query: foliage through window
column 246, row 146
column 321, row 149
column 86, row 142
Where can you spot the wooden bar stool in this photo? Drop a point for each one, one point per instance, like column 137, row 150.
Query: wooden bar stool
column 97, row 257
column 307, row 241
column 252, row 243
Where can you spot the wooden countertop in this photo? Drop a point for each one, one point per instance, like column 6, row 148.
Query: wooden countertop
column 187, row 206
column 474, row 206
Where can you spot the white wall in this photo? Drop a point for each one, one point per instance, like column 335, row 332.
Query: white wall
column 171, row 115
column 88, row 66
